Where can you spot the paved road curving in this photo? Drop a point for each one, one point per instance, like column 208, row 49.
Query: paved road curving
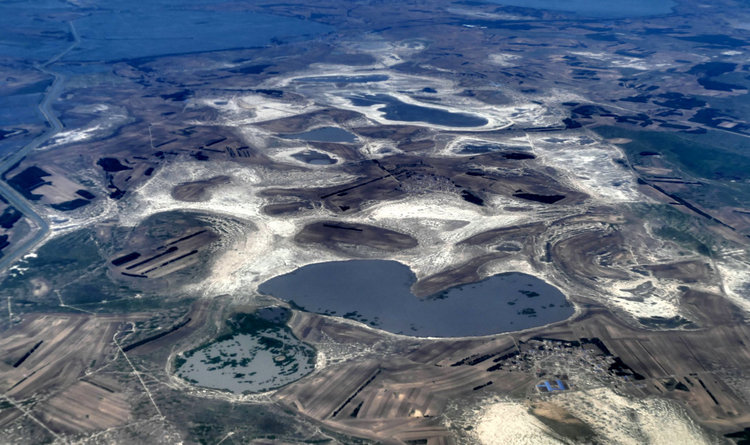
column 11, row 195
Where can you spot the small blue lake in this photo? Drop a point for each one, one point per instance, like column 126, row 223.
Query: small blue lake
column 314, row 157
column 344, row 79
column 378, row 293
column 396, row 110
column 323, row 134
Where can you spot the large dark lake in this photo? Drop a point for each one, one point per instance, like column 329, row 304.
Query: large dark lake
column 378, row 293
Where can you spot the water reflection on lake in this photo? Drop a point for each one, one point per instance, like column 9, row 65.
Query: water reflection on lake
column 261, row 355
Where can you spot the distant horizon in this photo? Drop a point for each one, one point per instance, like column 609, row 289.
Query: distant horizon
column 597, row 8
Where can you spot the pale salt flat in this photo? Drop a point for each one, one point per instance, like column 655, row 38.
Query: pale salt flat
column 588, row 164
column 626, row 421
column 614, row 418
